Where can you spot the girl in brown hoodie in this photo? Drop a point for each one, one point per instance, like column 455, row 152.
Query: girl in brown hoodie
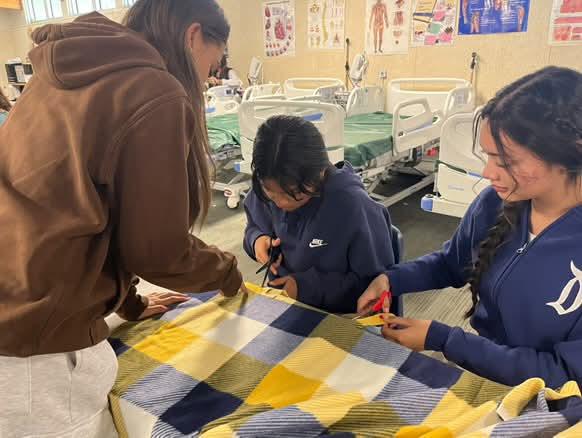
column 103, row 172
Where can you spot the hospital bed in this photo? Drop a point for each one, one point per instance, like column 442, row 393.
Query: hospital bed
column 224, row 138
column 450, row 95
column 221, row 100
column 378, row 144
column 459, row 176
column 298, row 89
column 366, row 140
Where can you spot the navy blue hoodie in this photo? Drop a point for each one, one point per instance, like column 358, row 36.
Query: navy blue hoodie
column 333, row 246
column 529, row 317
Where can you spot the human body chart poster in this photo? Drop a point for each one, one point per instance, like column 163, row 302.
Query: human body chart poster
column 326, row 24
column 279, row 28
column 387, row 26
column 566, row 22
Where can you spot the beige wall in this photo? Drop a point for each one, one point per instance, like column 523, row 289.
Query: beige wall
column 9, row 19
column 503, row 57
column 14, row 35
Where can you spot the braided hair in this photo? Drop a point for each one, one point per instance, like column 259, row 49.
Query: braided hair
column 542, row 112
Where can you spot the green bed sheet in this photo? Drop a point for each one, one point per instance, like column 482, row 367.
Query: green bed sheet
column 366, row 136
column 222, row 131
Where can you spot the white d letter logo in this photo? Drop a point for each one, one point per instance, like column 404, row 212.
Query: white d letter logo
column 568, row 289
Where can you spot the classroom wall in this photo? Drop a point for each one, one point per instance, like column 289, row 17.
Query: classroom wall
column 15, row 35
column 9, row 19
column 503, row 57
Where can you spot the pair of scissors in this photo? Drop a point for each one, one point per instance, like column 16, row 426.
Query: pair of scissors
column 379, row 305
column 274, row 253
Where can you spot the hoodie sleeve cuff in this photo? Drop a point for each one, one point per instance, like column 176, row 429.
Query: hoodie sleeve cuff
column 437, row 336
column 252, row 239
column 233, row 281
column 133, row 306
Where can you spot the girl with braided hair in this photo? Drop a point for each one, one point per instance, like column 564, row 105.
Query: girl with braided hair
column 518, row 246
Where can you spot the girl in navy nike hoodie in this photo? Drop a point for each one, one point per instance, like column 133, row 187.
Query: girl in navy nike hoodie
column 333, row 238
column 519, row 246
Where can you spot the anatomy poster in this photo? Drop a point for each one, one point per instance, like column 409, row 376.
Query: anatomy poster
column 279, row 28
column 566, row 22
column 493, row 16
column 326, row 24
column 434, row 22
column 387, row 26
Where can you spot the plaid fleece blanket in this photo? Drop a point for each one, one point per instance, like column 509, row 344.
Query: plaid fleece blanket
column 262, row 365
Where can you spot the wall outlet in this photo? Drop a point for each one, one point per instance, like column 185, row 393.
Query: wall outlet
column 383, row 75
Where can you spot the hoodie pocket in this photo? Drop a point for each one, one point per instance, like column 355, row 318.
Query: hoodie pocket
column 15, row 386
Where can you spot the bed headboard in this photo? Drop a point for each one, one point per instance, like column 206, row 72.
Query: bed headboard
column 219, row 107
column 224, row 92
column 434, row 90
column 328, row 118
column 259, row 91
column 365, row 100
column 296, row 87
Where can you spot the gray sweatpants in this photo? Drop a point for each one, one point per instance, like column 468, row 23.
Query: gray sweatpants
column 58, row 395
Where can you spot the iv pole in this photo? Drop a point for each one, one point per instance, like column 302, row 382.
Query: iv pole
column 347, row 66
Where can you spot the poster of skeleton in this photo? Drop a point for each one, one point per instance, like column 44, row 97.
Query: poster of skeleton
column 434, row 22
column 388, row 26
column 279, row 28
column 566, row 22
column 326, row 24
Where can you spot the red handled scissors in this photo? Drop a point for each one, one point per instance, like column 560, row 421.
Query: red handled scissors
column 378, row 307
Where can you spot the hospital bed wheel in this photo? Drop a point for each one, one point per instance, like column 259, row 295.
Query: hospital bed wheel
column 233, row 202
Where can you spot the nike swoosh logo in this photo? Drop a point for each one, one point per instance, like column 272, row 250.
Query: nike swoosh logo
column 317, row 245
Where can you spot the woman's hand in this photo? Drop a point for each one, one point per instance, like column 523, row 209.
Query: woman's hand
column 372, row 294
column 159, row 302
column 410, row 333
column 262, row 247
column 289, row 285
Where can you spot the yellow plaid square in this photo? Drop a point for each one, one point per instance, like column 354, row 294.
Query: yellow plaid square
column 281, row 388
column 307, row 359
column 203, row 359
column 165, row 344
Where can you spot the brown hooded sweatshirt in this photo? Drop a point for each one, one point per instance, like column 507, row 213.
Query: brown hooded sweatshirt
column 94, row 190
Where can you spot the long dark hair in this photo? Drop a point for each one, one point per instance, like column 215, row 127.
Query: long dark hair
column 543, row 113
column 164, row 24
column 290, row 151
column 4, row 102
